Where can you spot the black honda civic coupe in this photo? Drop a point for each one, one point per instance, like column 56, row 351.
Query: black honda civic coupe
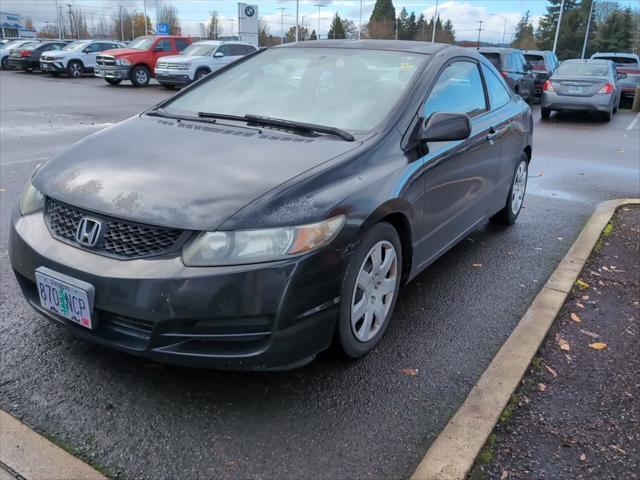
column 274, row 207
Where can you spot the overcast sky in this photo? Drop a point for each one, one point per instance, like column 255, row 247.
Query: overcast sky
column 465, row 14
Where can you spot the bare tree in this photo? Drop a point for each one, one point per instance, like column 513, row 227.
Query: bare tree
column 213, row 26
column 169, row 14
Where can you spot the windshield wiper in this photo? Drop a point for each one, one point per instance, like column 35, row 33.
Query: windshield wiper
column 307, row 127
column 221, row 116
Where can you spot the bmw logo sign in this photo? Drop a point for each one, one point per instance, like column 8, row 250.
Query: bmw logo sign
column 249, row 11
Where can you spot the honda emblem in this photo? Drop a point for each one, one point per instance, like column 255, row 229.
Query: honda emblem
column 88, row 232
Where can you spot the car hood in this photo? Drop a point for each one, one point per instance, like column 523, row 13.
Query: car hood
column 180, row 174
column 58, row 54
column 121, row 52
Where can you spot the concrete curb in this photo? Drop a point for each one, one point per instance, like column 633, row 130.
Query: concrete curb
column 453, row 453
column 25, row 454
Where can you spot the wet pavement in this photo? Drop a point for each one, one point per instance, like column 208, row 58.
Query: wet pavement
column 330, row 419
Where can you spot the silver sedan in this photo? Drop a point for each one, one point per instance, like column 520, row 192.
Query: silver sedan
column 583, row 85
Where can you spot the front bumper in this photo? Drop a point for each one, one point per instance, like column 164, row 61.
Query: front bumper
column 172, row 77
column 117, row 72
column 52, row 66
column 595, row 103
column 274, row 315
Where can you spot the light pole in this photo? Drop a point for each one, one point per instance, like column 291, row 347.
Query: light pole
column 479, row 32
column 504, row 32
column 133, row 35
column 586, row 34
column 282, row 9
column 297, row 13
column 435, row 19
column 121, row 24
column 319, row 5
column 60, row 35
column 360, row 24
column 144, row 7
column 555, row 40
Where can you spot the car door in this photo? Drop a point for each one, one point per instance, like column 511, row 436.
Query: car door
column 91, row 52
column 459, row 176
column 225, row 59
column 164, row 47
column 527, row 77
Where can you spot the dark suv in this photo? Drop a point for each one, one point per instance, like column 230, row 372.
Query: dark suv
column 514, row 69
column 543, row 64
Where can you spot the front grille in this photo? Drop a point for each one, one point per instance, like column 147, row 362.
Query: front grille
column 171, row 66
column 119, row 238
column 105, row 60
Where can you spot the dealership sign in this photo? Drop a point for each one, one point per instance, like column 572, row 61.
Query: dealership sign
column 248, row 23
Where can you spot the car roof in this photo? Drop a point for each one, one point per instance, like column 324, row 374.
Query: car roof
column 497, row 50
column 388, row 45
column 615, row 54
column 587, row 60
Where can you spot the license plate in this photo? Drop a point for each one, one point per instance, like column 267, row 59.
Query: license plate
column 65, row 296
column 575, row 90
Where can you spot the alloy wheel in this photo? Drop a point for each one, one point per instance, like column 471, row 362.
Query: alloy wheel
column 76, row 71
column 375, row 288
column 519, row 187
column 141, row 76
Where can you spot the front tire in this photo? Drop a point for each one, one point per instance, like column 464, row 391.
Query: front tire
column 5, row 63
column 509, row 214
column 369, row 291
column 74, row 69
column 203, row 72
column 140, row 76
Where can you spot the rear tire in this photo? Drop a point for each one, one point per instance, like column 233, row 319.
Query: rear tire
column 369, row 291
column 140, row 76
column 113, row 81
column 509, row 214
column 74, row 69
column 545, row 113
column 5, row 63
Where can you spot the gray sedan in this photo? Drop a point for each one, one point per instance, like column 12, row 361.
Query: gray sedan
column 583, row 85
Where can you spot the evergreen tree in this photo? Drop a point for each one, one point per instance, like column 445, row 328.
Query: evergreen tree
column 313, row 36
column 406, row 25
column 336, row 31
column 617, row 32
column 383, row 19
column 448, row 34
column 421, row 29
column 547, row 25
column 524, row 38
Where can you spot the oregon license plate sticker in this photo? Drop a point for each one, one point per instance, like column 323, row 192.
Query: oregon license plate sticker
column 64, row 299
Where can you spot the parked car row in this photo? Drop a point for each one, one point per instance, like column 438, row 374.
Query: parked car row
column 182, row 62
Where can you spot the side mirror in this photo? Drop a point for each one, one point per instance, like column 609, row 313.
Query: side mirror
column 158, row 48
column 218, row 55
column 621, row 76
column 444, row 127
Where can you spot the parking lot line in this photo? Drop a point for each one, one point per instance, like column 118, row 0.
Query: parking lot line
column 633, row 122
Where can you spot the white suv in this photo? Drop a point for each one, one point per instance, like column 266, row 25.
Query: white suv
column 198, row 60
column 76, row 58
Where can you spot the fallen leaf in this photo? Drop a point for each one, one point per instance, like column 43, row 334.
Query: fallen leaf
column 564, row 345
column 585, row 297
column 583, row 457
column 575, row 318
column 542, row 387
column 582, row 284
column 615, row 447
column 505, row 475
column 580, row 305
column 598, row 345
column 410, row 372
column 605, row 268
column 590, row 334
column 477, row 265
column 551, row 370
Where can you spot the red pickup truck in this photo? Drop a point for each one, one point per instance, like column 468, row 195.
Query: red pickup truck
column 137, row 61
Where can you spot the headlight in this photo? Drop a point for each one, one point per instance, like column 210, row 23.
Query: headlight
column 255, row 246
column 184, row 66
column 122, row 61
column 31, row 200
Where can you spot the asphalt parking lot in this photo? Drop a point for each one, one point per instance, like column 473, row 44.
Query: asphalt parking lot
column 330, row 419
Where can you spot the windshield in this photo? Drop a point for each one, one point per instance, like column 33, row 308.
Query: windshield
column 345, row 88
column 582, row 70
column 619, row 60
column 141, row 43
column 534, row 59
column 196, row 50
column 29, row 46
column 75, row 46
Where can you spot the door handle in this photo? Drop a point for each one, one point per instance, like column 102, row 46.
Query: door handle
column 493, row 134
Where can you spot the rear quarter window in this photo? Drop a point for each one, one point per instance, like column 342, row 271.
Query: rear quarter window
column 494, row 58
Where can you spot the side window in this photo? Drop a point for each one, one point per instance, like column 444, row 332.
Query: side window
column 224, row 49
column 55, row 46
column 498, row 92
column 181, row 44
column 237, row 50
column 163, row 46
column 509, row 63
column 458, row 90
column 94, row 47
column 249, row 49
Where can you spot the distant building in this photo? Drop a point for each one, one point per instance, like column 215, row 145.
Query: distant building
column 11, row 26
